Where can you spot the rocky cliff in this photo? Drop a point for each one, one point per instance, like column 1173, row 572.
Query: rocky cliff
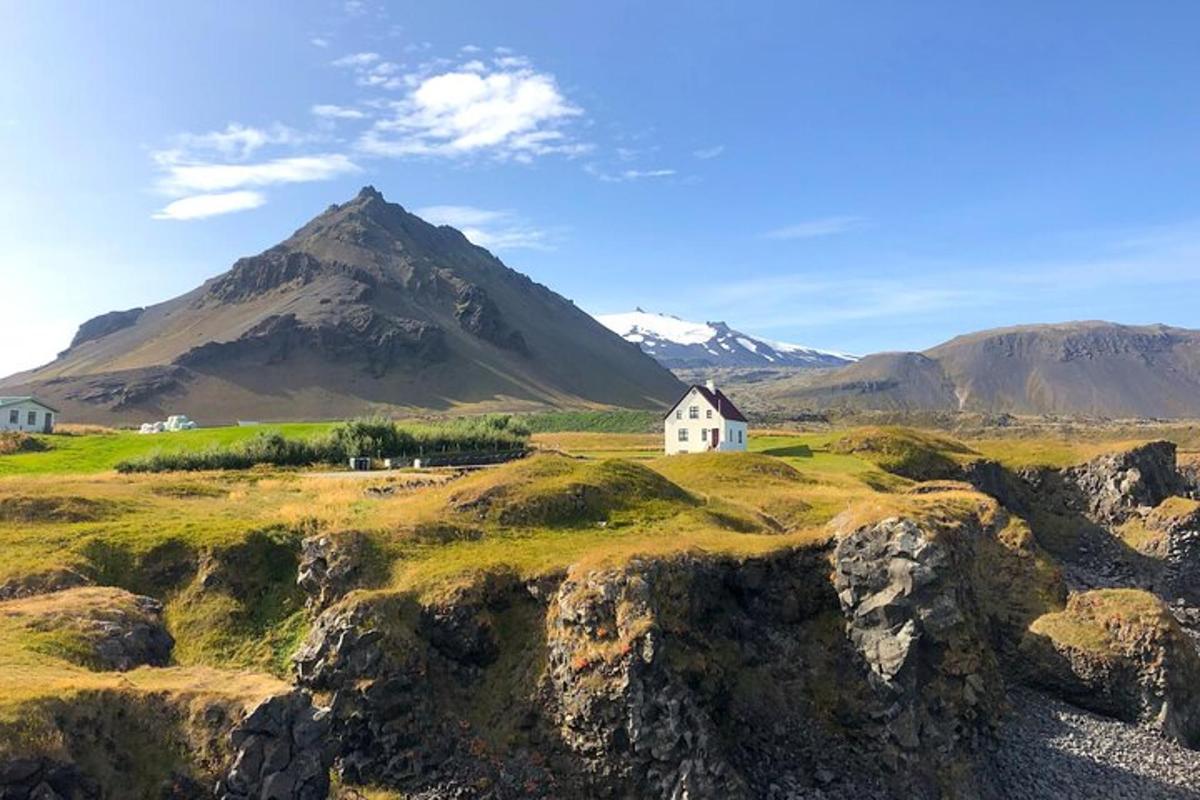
column 891, row 657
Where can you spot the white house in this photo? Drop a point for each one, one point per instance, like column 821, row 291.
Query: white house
column 704, row 419
column 26, row 414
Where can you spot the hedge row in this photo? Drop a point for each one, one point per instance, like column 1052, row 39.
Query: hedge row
column 376, row 438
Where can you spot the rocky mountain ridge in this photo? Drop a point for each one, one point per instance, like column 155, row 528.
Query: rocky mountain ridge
column 364, row 308
column 1083, row 368
column 678, row 344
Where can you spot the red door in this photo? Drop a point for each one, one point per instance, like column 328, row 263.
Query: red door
column 716, row 436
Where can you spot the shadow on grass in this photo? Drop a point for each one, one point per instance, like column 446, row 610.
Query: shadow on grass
column 792, row 451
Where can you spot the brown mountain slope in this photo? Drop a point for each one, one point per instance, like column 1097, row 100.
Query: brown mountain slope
column 1097, row 368
column 365, row 308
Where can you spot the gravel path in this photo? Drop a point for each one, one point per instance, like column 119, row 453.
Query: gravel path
column 1049, row 749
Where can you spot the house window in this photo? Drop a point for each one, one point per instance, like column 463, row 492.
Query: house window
column 679, row 413
column 49, row 420
column 694, row 412
column 739, row 437
column 14, row 417
column 32, row 418
column 708, row 413
column 683, row 434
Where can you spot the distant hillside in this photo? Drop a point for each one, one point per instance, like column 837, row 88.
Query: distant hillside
column 678, row 344
column 1095, row 368
column 365, row 308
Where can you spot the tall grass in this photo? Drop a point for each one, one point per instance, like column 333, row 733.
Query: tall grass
column 373, row 438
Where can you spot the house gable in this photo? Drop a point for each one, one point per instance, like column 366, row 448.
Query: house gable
column 702, row 392
column 5, row 402
column 722, row 405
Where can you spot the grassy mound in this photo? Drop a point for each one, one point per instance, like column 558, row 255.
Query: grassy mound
column 556, row 491
column 784, row 497
column 917, row 455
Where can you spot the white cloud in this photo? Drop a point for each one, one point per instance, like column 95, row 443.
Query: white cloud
column 508, row 113
column 355, row 8
column 319, row 41
column 495, row 230
column 470, row 49
column 212, row 173
column 813, row 228
column 210, row 205
column 705, row 153
column 185, row 178
column 371, row 70
column 357, row 60
column 236, row 141
column 330, row 111
column 626, row 174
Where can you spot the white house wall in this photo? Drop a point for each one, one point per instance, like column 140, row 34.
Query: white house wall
column 699, row 431
column 23, row 410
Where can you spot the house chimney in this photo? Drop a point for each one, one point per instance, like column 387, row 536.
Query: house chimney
column 710, row 385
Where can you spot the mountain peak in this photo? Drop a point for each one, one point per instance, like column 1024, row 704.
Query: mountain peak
column 369, row 192
column 677, row 343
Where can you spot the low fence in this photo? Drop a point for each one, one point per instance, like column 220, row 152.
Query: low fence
column 455, row 459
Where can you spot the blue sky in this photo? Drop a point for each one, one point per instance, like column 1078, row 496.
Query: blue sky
column 859, row 176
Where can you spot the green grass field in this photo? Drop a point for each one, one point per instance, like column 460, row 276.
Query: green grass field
column 99, row 452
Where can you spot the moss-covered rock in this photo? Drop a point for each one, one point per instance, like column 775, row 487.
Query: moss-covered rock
column 100, row 628
column 1119, row 652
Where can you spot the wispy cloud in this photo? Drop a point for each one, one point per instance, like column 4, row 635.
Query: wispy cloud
column 705, row 153
column 330, row 111
column 814, row 228
column 357, row 60
column 371, row 69
column 625, row 175
column 495, row 230
column 210, row 205
column 235, row 141
column 505, row 111
column 319, row 41
column 212, row 173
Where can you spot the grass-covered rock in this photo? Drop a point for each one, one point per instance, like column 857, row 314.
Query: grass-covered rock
column 1121, row 653
column 918, row 455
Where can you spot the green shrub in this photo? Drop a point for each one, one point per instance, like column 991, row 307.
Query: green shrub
column 374, row 437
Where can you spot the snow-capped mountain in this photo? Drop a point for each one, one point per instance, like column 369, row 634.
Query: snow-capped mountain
column 676, row 343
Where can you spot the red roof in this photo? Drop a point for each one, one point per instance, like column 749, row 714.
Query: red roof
column 716, row 399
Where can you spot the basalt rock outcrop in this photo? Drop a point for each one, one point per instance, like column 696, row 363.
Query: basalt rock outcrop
column 914, row 617
column 1110, row 488
column 45, row 779
column 282, row 752
column 1120, row 652
column 683, row 677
